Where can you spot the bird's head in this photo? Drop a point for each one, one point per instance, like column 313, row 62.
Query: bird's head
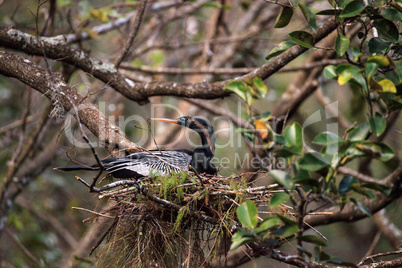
column 202, row 126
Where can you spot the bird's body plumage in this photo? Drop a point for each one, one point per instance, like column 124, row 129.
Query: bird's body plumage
column 163, row 162
column 143, row 164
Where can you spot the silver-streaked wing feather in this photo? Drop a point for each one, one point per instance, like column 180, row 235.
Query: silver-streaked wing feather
column 145, row 163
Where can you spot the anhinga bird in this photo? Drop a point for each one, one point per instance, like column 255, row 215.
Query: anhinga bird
column 161, row 162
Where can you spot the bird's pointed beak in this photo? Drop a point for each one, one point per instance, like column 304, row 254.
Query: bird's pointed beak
column 167, row 120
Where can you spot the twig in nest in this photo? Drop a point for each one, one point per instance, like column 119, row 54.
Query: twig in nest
column 167, row 203
column 92, row 187
column 116, row 184
column 123, row 191
column 93, row 212
column 198, row 176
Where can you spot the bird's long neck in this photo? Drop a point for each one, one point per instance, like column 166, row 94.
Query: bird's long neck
column 207, row 135
column 208, row 141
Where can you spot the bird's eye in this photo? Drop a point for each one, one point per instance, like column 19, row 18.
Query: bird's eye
column 182, row 120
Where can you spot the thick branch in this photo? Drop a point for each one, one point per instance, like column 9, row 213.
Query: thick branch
column 220, row 71
column 58, row 50
column 63, row 96
column 388, row 228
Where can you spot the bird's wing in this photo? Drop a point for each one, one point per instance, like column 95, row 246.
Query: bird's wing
column 143, row 163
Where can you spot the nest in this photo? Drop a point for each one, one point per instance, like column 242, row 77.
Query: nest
column 177, row 220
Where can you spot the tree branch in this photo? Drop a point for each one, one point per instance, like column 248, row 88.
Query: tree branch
column 351, row 212
column 58, row 50
column 65, row 97
column 388, row 228
column 133, row 33
column 222, row 71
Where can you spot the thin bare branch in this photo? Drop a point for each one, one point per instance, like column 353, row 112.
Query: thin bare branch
column 133, row 33
column 351, row 212
column 34, row 260
column 358, row 175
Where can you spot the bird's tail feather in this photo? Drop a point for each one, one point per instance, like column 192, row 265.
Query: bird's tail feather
column 77, row 167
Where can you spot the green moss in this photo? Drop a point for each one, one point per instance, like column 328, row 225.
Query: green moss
column 180, row 215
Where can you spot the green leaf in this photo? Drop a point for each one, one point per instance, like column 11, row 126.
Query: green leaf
column 302, row 38
column 387, row 29
column 247, row 214
column 286, row 230
column 386, row 153
column 241, row 238
column 282, row 47
column 398, row 70
column 326, row 138
column 284, row 17
column 358, row 189
column 382, row 61
column 311, row 162
column 280, row 139
column 364, row 209
column 309, row 15
column 346, row 184
column 346, row 72
column 387, row 86
column 378, row 45
column 328, row 12
column 330, row 71
column 370, row 69
column 268, row 223
column 359, row 81
column 237, row 87
column 294, row 138
column 360, row 132
column 281, row 177
column 246, row 132
column 374, row 86
column 286, row 220
column 352, row 9
column 313, row 239
column 342, row 3
column 377, row 124
column 240, row 89
column 278, row 199
column 320, row 255
column 378, row 187
column 260, row 86
column 341, row 44
column 376, row 149
column 391, row 14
